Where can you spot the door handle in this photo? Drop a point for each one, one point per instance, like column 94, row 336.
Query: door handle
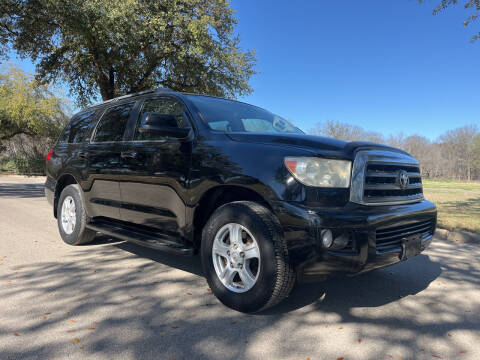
column 128, row 154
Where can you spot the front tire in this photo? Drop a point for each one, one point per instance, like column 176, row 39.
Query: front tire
column 72, row 218
column 245, row 258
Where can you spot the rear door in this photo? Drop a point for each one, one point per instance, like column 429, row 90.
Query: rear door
column 105, row 162
column 154, row 192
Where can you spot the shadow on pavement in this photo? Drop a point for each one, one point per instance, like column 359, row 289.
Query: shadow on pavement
column 112, row 286
column 22, row 190
column 120, row 300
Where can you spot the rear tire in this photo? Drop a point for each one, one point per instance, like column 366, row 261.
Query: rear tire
column 271, row 278
column 72, row 218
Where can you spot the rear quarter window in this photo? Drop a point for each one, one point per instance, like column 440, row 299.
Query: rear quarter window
column 65, row 135
column 81, row 126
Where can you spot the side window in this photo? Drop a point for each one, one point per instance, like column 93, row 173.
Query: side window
column 220, row 125
column 167, row 106
column 113, row 123
column 81, row 126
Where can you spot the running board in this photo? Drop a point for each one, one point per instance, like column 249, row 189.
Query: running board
column 141, row 238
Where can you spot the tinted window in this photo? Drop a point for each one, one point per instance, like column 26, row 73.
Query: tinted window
column 233, row 116
column 81, row 126
column 166, row 106
column 257, row 125
column 113, row 123
column 65, row 135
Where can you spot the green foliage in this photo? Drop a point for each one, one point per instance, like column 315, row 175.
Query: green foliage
column 29, row 166
column 471, row 5
column 6, row 165
column 118, row 47
column 27, row 107
column 23, row 165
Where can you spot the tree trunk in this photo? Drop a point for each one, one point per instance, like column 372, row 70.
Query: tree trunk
column 106, row 83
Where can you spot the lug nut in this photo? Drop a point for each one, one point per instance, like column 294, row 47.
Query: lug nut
column 240, row 266
column 242, row 254
column 231, row 264
column 228, row 252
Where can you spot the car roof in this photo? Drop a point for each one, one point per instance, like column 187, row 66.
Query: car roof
column 152, row 91
column 120, row 98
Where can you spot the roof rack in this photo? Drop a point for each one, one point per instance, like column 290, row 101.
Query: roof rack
column 160, row 90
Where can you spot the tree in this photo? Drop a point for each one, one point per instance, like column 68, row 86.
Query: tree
column 455, row 155
column 116, row 47
column 421, row 149
column 459, row 147
column 476, row 153
column 28, row 107
column 344, row 131
column 473, row 5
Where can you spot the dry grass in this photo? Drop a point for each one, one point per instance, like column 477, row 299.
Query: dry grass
column 458, row 203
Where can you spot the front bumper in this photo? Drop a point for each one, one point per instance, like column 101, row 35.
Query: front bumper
column 302, row 227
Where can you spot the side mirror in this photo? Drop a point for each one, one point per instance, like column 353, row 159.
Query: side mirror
column 162, row 124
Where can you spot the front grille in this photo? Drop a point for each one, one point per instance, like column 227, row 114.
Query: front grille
column 382, row 183
column 390, row 239
column 385, row 177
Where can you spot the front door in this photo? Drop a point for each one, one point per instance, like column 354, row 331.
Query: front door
column 105, row 162
column 154, row 192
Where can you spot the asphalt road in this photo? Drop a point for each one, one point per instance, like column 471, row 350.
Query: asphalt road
column 117, row 300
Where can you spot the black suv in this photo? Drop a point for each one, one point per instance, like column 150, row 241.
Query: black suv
column 263, row 203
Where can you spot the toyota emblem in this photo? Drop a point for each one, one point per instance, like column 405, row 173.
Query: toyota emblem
column 403, row 179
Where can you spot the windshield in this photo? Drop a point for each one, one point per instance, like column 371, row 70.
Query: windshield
column 233, row 116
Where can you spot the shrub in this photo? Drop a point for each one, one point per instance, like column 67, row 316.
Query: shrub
column 23, row 165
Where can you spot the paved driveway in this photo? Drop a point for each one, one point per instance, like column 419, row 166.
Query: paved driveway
column 117, row 300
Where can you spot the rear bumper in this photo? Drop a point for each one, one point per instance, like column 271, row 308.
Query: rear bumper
column 302, row 228
column 50, row 190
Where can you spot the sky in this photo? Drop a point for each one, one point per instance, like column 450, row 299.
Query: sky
column 386, row 65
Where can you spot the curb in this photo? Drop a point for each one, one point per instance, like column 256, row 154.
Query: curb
column 459, row 236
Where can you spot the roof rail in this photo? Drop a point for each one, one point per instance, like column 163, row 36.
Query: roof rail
column 160, row 89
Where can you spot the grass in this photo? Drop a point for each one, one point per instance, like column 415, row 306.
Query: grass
column 458, row 203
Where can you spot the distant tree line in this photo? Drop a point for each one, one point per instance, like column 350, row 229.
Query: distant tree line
column 454, row 155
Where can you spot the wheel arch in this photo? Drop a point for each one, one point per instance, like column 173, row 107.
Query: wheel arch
column 218, row 196
column 63, row 181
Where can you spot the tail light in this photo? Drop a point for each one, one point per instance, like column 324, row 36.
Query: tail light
column 49, row 155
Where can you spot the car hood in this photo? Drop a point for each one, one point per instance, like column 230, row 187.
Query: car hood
column 317, row 144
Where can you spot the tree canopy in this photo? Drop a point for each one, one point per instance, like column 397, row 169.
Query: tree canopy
column 472, row 5
column 28, row 107
column 116, row 47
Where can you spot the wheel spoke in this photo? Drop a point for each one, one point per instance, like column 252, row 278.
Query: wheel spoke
column 220, row 249
column 228, row 274
column 251, row 251
column 235, row 231
column 247, row 278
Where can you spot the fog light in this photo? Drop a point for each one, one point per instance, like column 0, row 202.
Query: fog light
column 327, row 238
column 341, row 241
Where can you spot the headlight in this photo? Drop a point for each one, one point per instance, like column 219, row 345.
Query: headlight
column 319, row 172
